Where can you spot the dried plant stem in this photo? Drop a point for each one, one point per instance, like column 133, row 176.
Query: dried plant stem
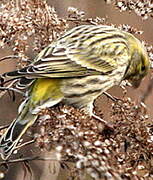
column 8, row 57
column 6, row 89
column 18, row 4
column 83, row 20
column 39, row 158
column 12, row 89
column 25, row 144
column 110, row 96
column 3, row 92
column 4, row 127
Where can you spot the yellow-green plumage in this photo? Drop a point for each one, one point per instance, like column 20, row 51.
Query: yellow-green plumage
column 45, row 89
column 75, row 69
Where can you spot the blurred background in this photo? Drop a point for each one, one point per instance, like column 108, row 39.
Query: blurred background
column 92, row 8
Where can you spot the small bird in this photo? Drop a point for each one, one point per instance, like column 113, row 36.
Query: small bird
column 75, row 69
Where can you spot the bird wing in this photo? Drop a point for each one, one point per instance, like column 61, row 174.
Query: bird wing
column 84, row 50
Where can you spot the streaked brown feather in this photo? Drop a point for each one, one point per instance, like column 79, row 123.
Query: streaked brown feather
column 72, row 55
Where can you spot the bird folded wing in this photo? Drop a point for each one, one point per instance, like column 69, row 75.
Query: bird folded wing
column 68, row 60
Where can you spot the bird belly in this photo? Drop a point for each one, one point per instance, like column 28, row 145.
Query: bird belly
column 81, row 92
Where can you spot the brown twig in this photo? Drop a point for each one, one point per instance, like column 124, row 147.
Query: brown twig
column 8, row 57
column 39, row 158
column 9, row 86
column 13, row 90
column 25, row 144
column 27, row 169
column 82, row 20
column 113, row 98
column 4, row 127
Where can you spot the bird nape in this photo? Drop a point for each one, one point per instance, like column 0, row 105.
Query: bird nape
column 75, row 69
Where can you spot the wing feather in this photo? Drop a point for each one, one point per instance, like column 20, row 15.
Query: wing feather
column 84, row 50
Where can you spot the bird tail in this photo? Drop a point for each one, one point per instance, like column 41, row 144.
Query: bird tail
column 24, row 80
column 17, row 128
column 27, row 71
column 9, row 76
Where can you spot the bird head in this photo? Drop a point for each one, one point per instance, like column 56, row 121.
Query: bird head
column 138, row 67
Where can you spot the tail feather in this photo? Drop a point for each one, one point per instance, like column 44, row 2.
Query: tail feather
column 26, row 71
column 6, row 77
column 9, row 76
column 11, row 137
column 23, row 82
column 16, row 73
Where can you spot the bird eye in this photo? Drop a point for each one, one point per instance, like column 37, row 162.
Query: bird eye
column 142, row 68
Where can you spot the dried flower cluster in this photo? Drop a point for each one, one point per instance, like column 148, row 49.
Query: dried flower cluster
column 78, row 17
column 134, row 139
column 149, row 49
column 142, row 8
column 79, row 139
column 125, row 153
column 33, row 24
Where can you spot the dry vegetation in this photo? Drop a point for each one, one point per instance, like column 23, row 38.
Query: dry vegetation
column 94, row 151
column 142, row 8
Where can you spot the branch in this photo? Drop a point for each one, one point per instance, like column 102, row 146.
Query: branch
column 12, row 89
column 25, row 159
column 8, row 87
column 4, row 127
column 8, row 57
column 25, row 144
column 110, row 96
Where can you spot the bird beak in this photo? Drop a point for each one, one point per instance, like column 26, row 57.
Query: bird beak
column 136, row 83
